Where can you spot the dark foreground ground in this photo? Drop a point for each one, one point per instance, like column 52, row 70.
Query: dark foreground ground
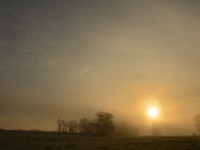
column 12, row 140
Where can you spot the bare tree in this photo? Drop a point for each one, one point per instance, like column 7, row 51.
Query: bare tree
column 72, row 126
column 59, row 124
column 63, row 126
column 197, row 122
column 84, row 126
column 93, row 126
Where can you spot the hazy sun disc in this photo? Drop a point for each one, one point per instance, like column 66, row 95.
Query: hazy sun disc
column 153, row 112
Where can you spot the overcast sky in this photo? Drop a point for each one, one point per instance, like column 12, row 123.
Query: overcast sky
column 73, row 58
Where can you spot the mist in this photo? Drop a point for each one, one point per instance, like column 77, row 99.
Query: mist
column 71, row 59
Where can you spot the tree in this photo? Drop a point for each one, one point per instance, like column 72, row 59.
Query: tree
column 197, row 122
column 59, row 124
column 72, row 126
column 63, row 126
column 103, row 124
column 84, row 126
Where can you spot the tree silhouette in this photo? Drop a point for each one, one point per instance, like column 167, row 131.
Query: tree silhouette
column 197, row 122
column 59, row 124
column 103, row 124
column 63, row 126
column 84, row 126
column 72, row 126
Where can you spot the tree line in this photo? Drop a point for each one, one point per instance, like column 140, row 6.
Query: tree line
column 102, row 125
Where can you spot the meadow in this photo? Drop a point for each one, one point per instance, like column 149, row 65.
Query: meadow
column 24, row 140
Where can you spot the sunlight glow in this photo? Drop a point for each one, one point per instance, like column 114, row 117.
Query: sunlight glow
column 153, row 112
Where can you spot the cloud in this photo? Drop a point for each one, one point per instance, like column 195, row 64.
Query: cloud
column 80, row 73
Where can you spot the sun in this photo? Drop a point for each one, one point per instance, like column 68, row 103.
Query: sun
column 153, row 112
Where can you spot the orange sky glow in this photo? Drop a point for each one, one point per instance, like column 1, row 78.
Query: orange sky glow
column 71, row 59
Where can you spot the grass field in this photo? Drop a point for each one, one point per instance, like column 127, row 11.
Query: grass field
column 13, row 140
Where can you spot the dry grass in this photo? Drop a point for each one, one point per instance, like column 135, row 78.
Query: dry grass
column 10, row 140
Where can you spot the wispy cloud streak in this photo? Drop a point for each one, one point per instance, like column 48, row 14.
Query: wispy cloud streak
column 80, row 73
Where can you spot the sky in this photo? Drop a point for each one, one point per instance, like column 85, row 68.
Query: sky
column 71, row 59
